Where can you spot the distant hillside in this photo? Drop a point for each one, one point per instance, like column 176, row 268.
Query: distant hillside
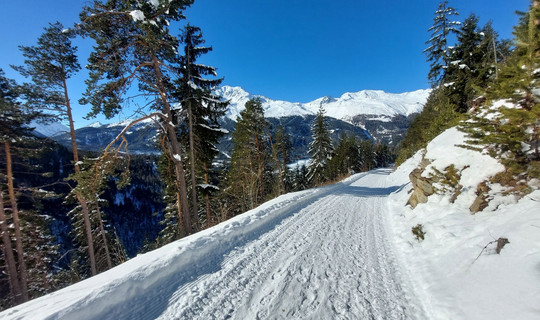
column 370, row 114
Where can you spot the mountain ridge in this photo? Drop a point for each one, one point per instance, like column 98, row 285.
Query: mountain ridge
column 345, row 107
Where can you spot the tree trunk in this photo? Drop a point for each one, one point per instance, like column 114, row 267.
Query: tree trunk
column 104, row 237
column 192, row 163
column 207, row 198
column 175, row 152
column 281, row 183
column 16, row 224
column 11, row 266
column 80, row 198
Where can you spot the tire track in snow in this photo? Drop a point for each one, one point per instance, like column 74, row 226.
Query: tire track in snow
column 328, row 260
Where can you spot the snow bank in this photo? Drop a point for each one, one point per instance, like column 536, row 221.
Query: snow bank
column 444, row 268
column 108, row 294
column 473, row 166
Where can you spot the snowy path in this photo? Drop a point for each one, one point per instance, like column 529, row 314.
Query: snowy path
column 322, row 255
column 328, row 260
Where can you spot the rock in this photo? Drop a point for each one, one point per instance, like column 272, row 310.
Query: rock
column 423, row 187
column 480, row 202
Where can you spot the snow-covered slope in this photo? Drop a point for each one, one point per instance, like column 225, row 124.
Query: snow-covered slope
column 49, row 129
column 317, row 254
column 366, row 102
column 456, row 269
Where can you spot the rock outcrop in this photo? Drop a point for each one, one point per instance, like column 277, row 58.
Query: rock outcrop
column 422, row 186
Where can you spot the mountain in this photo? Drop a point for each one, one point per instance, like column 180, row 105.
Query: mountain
column 365, row 102
column 368, row 114
column 386, row 116
column 49, row 129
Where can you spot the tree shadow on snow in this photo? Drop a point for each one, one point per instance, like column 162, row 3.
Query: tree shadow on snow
column 367, row 192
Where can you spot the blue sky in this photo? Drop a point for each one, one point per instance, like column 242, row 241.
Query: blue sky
column 295, row 50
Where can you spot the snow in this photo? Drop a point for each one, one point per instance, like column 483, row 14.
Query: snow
column 49, row 129
column 443, row 267
column 316, row 254
column 475, row 167
column 95, row 124
column 375, row 102
column 343, row 251
column 222, row 130
column 137, row 15
column 298, row 164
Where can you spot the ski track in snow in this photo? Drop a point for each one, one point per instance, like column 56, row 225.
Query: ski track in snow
column 325, row 255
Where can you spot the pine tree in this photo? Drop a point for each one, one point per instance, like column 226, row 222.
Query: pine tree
column 14, row 126
column 50, row 64
column 438, row 50
column 366, row 149
column 473, row 65
column 345, row 158
column 250, row 159
column 512, row 131
column 464, row 61
column 24, row 269
column 320, row 149
column 281, row 150
column 203, row 110
column 518, row 78
column 134, row 46
column 383, row 155
column 301, row 181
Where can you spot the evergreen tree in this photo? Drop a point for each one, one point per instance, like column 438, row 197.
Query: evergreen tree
column 383, row 155
column 345, row 158
column 512, row 130
column 473, row 64
column 203, row 110
column 29, row 265
column 50, row 64
column 320, row 149
column 462, row 70
column 367, row 153
column 134, row 46
column 248, row 173
column 281, row 150
column 301, row 181
column 438, row 50
column 518, row 78
column 13, row 125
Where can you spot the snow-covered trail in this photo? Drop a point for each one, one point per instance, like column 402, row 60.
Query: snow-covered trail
column 328, row 260
column 324, row 254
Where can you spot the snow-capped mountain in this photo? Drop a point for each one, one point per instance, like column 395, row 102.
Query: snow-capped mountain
column 369, row 114
column 350, row 104
column 49, row 129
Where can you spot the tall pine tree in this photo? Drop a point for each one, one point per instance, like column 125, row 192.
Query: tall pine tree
column 250, row 159
column 134, row 46
column 202, row 110
column 320, row 149
column 50, row 64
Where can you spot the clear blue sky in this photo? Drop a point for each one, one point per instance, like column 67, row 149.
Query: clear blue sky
column 295, row 50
